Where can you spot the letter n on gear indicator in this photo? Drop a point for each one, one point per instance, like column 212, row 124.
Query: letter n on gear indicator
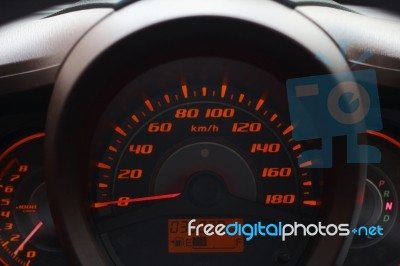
column 340, row 104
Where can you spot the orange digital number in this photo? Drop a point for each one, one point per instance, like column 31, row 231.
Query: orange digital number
column 246, row 127
column 23, row 168
column 5, row 202
column 160, row 127
column 220, row 112
column 265, row 147
column 178, row 227
column 123, row 201
column 8, row 226
column 31, row 254
column 187, row 113
column 277, row 199
column 9, row 189
column 276, row 172
column 141, row 148
column 15, row 177
column 5, row 214
column 130, row 173
column 15, row 237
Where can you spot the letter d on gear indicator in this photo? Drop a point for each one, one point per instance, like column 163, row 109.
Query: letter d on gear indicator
column 340, row 104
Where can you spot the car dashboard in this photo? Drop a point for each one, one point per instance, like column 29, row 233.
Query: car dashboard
column 142, row 132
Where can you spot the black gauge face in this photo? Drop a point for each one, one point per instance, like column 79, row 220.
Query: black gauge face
column 380, row 207
column 210, row 146
column 27, row 235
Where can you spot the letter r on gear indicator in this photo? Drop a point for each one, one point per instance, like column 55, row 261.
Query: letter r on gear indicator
column 340, row 104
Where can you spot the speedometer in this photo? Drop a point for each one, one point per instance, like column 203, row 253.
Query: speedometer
column 174, row 130
column 207, row 147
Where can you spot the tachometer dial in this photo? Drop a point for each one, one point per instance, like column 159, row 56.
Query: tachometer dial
column 27, row 235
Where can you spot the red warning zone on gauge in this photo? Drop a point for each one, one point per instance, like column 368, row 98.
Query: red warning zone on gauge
column 179, row 241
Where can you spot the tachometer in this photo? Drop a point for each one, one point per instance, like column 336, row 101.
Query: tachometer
column 27, row 235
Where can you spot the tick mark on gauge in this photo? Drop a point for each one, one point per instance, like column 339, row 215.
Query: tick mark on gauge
column 135, row 118
column 185, row 91
column 288, row 130
column 296, row 147
column 166, row 98
column 120, row 131
column 149, row 105
column 311, row 202
column 223, row 90
column 204, row 91
column 259, row 104
column 103, row 166
column 306, row 164
column 241, row 97
column 273, row 117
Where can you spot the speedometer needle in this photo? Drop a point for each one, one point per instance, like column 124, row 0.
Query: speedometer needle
column 31, row 234
column 124, row 201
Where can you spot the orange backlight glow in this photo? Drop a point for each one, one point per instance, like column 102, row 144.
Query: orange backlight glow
column 180, row 242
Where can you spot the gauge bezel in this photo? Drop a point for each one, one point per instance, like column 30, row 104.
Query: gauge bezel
column 107, row 58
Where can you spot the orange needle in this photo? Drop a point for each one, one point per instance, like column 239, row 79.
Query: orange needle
column 21, row 247
column 126, row 200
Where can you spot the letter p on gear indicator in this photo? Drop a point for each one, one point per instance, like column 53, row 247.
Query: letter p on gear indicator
column 340, row 104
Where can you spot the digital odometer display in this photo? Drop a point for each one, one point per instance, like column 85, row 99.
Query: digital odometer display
column 180, row 240
column 214, row 149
